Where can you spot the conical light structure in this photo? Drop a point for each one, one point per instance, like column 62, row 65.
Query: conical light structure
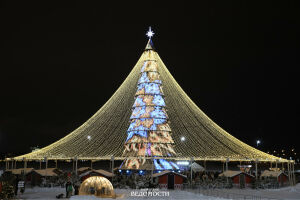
column 173, row 115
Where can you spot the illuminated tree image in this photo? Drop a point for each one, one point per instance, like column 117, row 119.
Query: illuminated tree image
column 149, row 133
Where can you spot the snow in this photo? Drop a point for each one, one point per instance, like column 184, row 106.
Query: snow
column 173, row 194
column 287, row 193
column 41, row 193
column 50, row 193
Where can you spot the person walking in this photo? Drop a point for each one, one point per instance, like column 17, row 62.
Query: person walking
column 16, row 186
column 69, row 189
column 76, row 189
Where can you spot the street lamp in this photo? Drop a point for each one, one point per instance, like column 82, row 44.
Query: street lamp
column 257, row 142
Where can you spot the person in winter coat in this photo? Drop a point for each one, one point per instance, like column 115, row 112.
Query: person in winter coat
column 69, row 189
column 76, row 189
column 16, row 186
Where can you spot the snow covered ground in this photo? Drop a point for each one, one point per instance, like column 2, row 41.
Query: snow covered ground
column 50, row 193
column 173, row 194
column 287, row 193
column 41, row 193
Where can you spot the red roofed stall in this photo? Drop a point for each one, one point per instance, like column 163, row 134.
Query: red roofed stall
column 239, row 178
column 170, row 180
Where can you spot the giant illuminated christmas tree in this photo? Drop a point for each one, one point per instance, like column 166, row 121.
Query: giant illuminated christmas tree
column 136, row 115
column 149, row 133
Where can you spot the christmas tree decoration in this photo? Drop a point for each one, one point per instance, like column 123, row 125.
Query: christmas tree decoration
column 149, row 133
column 156, row 121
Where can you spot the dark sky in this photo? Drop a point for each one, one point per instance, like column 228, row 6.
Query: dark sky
column 237, row 60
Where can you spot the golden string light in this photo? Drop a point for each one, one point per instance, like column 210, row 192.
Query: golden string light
column 104, row 134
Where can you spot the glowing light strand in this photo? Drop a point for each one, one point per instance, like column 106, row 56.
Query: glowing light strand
column 206, row 140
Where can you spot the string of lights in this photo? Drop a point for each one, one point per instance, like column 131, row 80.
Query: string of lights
column 194, row 134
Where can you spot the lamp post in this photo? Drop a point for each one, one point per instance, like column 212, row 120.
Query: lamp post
column 258, row 142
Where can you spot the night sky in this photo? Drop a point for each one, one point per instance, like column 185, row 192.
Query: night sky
column 237, row 60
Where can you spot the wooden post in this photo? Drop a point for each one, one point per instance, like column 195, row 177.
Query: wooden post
column 256, row 171
column 288, row 167
column 91, row 164
column 227, row 160
column 40, row 164
column 223, row 166
column 15, row 164
column 192, row 160
column 112, row 168
column 73, row 165
column 290, row 172
column 276, row 164
column 271, row 164
column 76, row 160
column 112, row 164
column 6, row 166
column 25, row 167
column 25, row 164
column 46, row 160
column 293, row 173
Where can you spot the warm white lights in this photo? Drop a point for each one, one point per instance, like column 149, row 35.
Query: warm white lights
column 194, row 134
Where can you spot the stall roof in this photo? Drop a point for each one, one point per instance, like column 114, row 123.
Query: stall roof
column 268, row 173
column 167, row 172
column 99, row 171
column 81, row 169
column 231, row 173
column 197, row 168
column 19, row 171
column 46, row 172
column 105, row 173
